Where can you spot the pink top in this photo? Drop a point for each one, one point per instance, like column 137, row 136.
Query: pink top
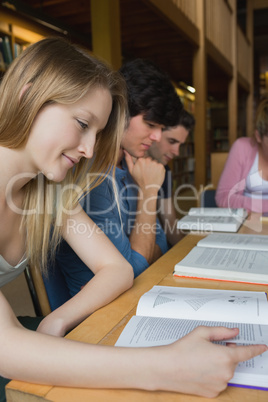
column 230, row 190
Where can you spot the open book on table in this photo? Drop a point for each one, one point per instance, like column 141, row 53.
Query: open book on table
column 165, row 314
column 213, row 219
column 227, row 257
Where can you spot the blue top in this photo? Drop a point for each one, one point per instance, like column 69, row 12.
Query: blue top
column 166, row 189
column 100, row 204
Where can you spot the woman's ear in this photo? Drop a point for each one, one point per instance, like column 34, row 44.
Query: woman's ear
column 257, row 136
column 25, row 89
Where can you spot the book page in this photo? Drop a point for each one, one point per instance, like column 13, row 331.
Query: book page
column 239, row 212
column 154, row 331
column 253, row 372
column 219, row 263
column 210, row 223
column 235, row 240
column 204, row 304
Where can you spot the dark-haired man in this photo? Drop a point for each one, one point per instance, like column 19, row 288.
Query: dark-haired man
column 130, row 220
column 163, row 152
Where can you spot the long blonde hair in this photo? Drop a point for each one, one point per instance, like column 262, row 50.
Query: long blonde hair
column 55, row 71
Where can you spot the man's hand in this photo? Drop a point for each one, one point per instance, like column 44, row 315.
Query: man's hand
column 146, row 172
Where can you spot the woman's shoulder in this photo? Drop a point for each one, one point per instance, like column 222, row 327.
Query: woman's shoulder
column 245, row 144
column 245, row 141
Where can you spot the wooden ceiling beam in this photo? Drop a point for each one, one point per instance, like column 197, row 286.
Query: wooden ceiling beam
column 164, row 35
column 77, row 20
column 259, row 4
column 70, row 8
column 157, row 41
column 41, row 5
column 175, row 17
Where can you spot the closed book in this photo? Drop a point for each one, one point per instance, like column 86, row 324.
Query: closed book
column 227, row 257
column 213, row 219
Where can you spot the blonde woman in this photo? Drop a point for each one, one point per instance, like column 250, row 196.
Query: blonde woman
column 58, row 104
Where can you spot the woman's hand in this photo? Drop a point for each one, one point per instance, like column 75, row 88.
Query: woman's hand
column 198, row 366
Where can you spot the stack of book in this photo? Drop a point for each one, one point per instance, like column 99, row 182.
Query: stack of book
column 213, row 219
column 229, row 257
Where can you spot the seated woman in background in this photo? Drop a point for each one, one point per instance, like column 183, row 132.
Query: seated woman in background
column 56, row 104
column 244, row 180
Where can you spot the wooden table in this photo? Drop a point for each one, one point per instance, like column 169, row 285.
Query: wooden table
column 253, row 225
column 106, row 324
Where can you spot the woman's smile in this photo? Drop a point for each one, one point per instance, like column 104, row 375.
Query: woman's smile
column 58, row 142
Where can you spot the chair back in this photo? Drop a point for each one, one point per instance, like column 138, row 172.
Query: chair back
column 217, row 162
column 47, row 292
column 207, row 198
column 56, row 288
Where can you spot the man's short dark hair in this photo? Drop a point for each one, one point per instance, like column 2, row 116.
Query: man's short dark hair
column 186, row 120
column 151, row 93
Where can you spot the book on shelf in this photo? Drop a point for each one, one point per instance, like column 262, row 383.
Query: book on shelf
column 18, row 49
column 213, row 219
column 6, row 50
column 2, row 61
column 165, row 314
column 228, row 257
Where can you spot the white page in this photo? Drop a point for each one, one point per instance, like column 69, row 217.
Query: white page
column 239, row 212
column 240, row 265
column 210, row 223
column 206, row 304
column 235, row 240
column 154, row 331
column 253, row 372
